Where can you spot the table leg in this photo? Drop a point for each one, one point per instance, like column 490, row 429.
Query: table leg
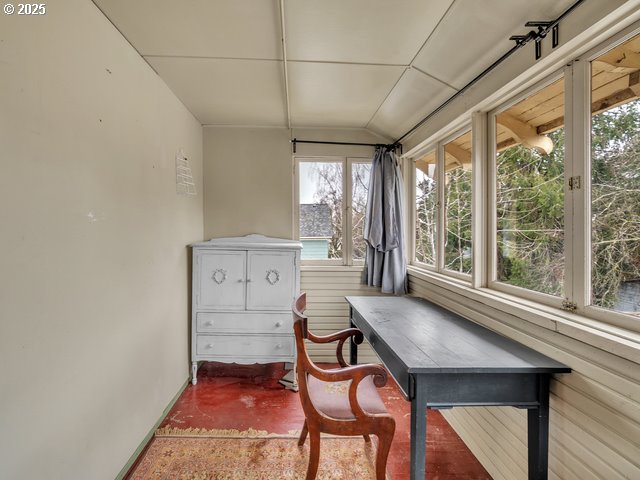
column 353, row 347
column 418, row 433
column 538, row 432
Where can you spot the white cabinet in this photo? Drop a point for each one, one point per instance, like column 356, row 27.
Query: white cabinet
column 243, row 288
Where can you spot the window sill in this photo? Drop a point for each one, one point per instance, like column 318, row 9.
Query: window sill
column 331, row 268
column 622, row 342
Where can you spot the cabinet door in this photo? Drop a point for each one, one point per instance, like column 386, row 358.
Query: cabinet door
column 222, row 280
column 270, row 280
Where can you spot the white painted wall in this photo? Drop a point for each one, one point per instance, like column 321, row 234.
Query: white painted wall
column 248, row 175
column 93, row 260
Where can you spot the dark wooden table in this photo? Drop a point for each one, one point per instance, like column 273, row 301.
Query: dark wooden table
column 441, row 360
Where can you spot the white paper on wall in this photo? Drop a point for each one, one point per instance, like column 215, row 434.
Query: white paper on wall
column 184, row 177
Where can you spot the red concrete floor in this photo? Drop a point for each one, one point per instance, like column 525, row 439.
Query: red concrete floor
column 242, row 397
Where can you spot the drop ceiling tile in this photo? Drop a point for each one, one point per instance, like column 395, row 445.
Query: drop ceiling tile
column 338, row 95
column 475, row 34
column 227, row 92
column 199, row 28
column 361, row 31
column 415, row 96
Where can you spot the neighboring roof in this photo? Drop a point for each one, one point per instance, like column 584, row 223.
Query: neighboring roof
column 315, row 220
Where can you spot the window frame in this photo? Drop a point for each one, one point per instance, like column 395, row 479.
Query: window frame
column 491, row 212
column 582, row 74
column 467, row 128
column 439, row 177
column 576, row 71
column 347, row 200
column 414, row 212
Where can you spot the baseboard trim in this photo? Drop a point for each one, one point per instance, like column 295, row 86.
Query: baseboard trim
column 149, row 435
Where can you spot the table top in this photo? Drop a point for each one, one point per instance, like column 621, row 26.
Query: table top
column 427, row 338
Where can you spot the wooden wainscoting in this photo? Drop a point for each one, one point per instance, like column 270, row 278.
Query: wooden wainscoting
column 327, row 309
column 594, row 411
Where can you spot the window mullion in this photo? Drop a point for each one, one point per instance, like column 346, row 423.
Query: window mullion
column 479, row 213
column 347, row 228
column 440, row 223
column 491, row 219
column 577, row 184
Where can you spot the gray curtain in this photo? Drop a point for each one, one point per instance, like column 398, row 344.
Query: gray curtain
column 385, row 264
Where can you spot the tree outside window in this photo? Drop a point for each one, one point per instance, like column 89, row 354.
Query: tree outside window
column 457, row 203
column 530, row 193
column 327, row 218
column 426, row 209
column 615, row 179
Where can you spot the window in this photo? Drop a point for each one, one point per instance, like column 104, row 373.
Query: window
column 332, row 198
column 560, row 221
column 615, row 179
column 529, row 192
column 426, row 209
column 320, row 213
column 457, row 204
column 360, row 173
column 450, row 190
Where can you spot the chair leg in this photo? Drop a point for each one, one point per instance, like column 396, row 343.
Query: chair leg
column 314, row 454
column 303, row 434
column 384, row 445
column 367, row 438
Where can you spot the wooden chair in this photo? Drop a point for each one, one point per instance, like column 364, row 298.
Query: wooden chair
column 339, row 401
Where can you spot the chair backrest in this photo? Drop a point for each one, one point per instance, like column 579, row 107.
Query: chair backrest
column 303, row 362
column 299, row 306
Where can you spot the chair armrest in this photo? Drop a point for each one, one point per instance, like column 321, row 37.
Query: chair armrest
column 342, row 336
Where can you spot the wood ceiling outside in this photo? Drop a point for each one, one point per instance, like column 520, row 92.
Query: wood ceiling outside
column 615, row 81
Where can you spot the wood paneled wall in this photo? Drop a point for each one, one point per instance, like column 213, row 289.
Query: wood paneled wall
column 327, row 309
column 595, row 410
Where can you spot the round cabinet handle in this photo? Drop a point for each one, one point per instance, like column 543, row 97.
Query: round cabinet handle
column 278, row 324
column 209, row 323
column 240, row 280
column 278, row 346
column 209, row 345
column 248, row 280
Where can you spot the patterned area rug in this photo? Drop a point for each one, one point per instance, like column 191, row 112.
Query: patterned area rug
column 198, row 454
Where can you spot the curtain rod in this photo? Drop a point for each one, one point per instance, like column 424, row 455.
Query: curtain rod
column 521, row 40
column 392, row 146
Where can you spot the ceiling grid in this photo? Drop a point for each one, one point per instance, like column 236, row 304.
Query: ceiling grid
column 368, row 64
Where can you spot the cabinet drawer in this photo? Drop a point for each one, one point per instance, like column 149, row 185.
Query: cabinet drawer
column 245, row 346
column 244, row 321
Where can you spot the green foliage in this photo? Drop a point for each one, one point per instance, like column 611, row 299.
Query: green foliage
column 458, row 203
column 426, row 213
column 530, row 213
column 615, row 206
column 530, row 199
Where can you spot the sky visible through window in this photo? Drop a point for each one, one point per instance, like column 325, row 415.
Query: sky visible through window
column 308, row 183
